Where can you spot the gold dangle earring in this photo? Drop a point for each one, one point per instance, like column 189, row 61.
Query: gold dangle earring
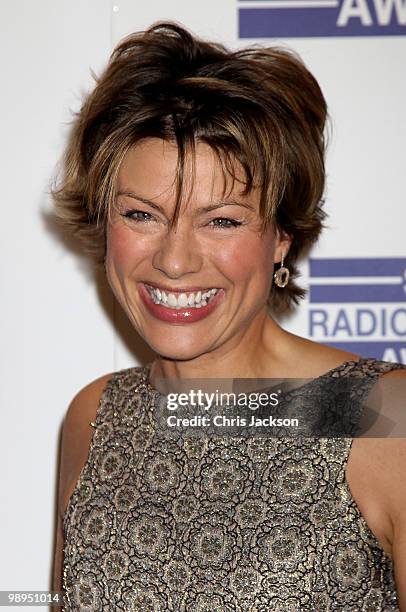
column 281, row 275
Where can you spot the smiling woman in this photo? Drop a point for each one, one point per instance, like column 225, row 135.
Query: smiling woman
column 195, row 176
column 215, row 261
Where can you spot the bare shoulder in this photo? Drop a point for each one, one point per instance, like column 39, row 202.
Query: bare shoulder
column 85, row 403
column 401, row 374
column 76, row 436
column 376, row 471
column 390, row 452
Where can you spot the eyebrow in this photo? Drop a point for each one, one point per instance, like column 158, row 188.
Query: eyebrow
column 201, row 209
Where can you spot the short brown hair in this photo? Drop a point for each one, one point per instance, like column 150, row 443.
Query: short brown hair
column 260, row 106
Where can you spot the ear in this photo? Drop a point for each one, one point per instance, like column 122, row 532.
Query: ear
column 282, row 245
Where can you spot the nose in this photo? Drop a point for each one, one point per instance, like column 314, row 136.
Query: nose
column 178, row 254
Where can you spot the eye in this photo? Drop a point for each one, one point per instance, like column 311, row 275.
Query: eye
column 225, row 223
column 138, row 215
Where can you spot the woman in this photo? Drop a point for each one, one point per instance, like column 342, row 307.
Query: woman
column 196, row 175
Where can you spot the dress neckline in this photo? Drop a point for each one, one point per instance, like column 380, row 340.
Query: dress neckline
column 146, row 370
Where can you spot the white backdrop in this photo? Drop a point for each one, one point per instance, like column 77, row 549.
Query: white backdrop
column 59, row 326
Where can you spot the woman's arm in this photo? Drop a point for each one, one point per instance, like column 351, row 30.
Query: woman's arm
column 58, row 552
column 393, row 479
column 396, row 470
column 76, row 437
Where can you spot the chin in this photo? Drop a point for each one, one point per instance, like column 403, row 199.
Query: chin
column 177, row 350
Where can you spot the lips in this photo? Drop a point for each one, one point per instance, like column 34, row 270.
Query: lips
column 189, row 313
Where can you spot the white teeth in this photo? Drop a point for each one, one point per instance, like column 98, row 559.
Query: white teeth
column 172, row 301
column 182, row 300
column 176, row 301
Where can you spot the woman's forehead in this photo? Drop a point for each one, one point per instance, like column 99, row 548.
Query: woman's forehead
column 151, row 169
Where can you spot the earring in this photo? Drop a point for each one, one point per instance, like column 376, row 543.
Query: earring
column 281, row 275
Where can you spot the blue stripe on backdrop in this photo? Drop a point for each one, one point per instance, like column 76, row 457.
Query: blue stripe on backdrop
column 340, row 294
column 353, row 269
column 358, row 267
column 369, row 18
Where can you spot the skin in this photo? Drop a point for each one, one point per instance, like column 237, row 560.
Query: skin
column 197, row 254
column 239, row 339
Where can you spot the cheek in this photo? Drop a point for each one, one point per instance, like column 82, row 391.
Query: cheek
column 248, row 259
column 124, row 249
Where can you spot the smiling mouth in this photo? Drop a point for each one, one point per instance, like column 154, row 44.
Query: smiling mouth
column 177, row 300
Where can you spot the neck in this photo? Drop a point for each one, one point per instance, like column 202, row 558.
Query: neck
column 260, row 351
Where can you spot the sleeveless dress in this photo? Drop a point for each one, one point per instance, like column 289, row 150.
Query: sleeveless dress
column 225, row 525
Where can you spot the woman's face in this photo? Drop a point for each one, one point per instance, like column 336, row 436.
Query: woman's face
column 201, row 286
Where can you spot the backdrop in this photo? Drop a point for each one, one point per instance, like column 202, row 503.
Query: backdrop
column 60, row 327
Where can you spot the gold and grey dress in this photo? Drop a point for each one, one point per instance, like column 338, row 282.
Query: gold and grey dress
column 218, row 525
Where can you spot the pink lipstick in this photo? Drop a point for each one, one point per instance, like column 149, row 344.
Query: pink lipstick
column 186, row 314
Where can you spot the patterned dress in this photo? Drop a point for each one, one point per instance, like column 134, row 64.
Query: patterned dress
column 218, row 524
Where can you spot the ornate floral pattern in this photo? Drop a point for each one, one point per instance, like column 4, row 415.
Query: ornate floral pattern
column 205, row 524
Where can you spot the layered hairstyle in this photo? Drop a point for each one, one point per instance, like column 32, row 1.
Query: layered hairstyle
column 258, row 106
